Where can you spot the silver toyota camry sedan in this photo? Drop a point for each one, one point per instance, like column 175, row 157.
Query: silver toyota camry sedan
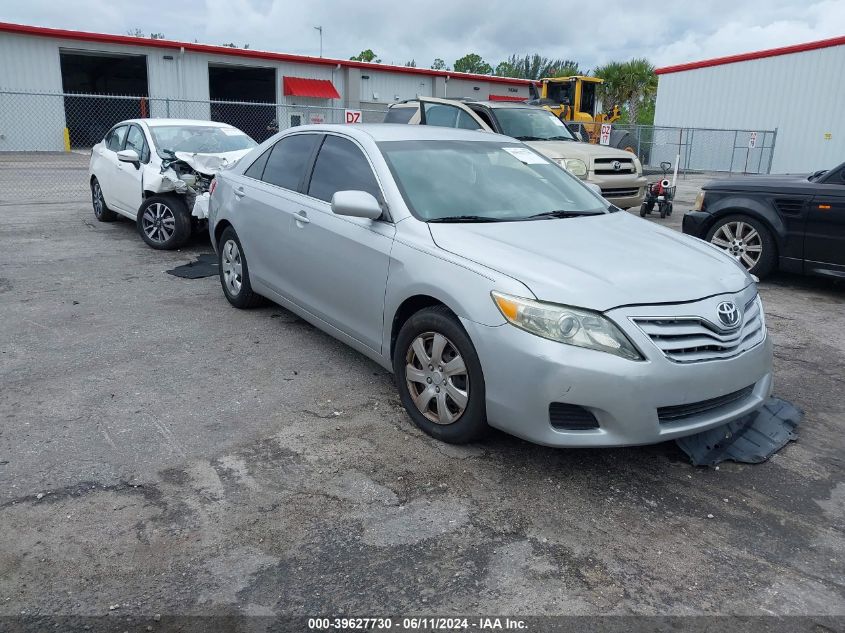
column 496, row 287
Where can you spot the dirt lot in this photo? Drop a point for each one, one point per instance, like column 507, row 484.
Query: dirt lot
column 161, row 452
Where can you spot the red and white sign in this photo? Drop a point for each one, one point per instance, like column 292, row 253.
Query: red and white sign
column 752, row 140
column 352, row 116
column 316, row 118
column 604, row 138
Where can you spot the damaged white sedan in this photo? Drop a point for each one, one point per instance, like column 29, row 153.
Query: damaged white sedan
column 157, row 173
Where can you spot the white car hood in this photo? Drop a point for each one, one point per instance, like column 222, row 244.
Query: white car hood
column 597, row 262
column 210, row 164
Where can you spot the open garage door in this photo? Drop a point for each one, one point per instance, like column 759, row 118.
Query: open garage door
column 85, row 76
column 254, row 92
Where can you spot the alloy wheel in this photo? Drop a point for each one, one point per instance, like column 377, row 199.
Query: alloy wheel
column 232, row 267
column 97, row 199
column 158, row 222
column 436, row 377
column 741, row 241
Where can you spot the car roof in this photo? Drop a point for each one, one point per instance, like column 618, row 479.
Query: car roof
column 402, row 132
column 186, row 122
column 414, row 103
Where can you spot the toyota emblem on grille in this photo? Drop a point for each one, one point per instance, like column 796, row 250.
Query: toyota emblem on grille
column 616, row 165
column 728, row 313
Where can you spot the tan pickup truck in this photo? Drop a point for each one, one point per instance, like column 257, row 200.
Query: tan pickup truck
column 618, row 173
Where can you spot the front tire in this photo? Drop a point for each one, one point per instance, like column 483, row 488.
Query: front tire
column 439, row 377
column 101, row 211
column 234, row 272
column 746, row 239
column 164, row 222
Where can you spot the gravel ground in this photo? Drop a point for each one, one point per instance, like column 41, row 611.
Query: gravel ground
column 161, row 452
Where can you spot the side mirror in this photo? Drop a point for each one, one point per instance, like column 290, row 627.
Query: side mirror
column 356, row 204
column 128, row 156
column 596, row 189
column 579, row 137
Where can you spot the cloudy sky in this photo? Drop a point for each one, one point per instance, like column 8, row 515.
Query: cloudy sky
column 664, row 32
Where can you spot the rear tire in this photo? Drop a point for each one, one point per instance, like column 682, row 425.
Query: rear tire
column 164, row 222
column 101, row 211
column 439, row 377
column 744, row 237
column 646, row 208
column 234, row 272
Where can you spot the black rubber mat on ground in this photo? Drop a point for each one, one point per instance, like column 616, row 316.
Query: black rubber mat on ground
column 203, row 266
column 751, row 440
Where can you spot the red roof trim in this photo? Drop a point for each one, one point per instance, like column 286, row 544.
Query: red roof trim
column 317, row 88
column 505, row 98
column 770, row 52
column 25, row 29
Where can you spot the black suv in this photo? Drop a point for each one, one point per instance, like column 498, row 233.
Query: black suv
column 792, row 222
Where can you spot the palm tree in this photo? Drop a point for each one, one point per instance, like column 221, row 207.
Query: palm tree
column 629, row 84
column 536, row 67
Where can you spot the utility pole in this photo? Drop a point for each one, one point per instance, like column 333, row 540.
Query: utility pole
column 320, row 28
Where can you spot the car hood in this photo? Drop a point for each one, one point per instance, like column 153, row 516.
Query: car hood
column 574, row 149
column 598, row 262
column 759, row 183
column 210, row 164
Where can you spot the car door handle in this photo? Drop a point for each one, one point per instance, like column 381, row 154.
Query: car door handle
column 301, row 217
column 239, row 192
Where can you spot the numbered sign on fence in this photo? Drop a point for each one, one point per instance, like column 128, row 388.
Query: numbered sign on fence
column 352, row 116
column 752, row 140
column 604, row 137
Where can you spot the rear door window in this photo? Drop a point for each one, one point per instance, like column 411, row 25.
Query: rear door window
column 446, row 115
column 341, row 166
column 115, row 138
column 399, row 115
column 289, row 159
column 256, row 170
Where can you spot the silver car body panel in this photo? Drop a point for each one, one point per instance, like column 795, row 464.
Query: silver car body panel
column 350, row 277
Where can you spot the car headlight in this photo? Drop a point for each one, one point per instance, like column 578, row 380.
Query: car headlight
column 575, row 166
column 639, row 166
column 759, row 301
column 573, row 326
column 699, row 201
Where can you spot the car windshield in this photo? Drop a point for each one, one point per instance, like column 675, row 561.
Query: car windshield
column 484, row 182
column 200, row 139
column 532, row 124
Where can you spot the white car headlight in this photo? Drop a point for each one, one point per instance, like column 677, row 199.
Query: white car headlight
column 573, row 326
column 639, row 166
column 575, row 166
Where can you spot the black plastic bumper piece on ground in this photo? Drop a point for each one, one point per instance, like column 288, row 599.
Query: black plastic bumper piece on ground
column 751, row 439
column 204, row 266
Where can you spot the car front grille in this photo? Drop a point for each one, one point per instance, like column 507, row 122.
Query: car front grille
column 619, row 192
column 694, row 339
column 604, row 166
column 684, row 411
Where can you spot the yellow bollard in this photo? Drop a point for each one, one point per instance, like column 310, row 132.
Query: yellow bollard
column 67, row 139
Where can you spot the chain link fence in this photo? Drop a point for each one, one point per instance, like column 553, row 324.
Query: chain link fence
column 701, row 149
column 46, row 138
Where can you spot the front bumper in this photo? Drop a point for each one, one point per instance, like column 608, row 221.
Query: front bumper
column 695, row 223
column 524, row 374
column 624, row 191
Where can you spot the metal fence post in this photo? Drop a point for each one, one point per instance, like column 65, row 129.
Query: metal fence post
column 772, row 152
column 639, row 132
column 167, row 107
column 733, row 151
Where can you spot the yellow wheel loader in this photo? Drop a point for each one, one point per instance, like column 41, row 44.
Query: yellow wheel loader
column 575, row 100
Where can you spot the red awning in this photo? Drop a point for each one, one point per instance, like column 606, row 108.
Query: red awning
column 506, row 98
column 317, row 88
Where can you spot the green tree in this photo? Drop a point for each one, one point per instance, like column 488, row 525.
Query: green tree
column 136, row 32
column 438, row 64
column 631, row 85
column 536, row 67
column 472, row 63
column 411, row 64
column 366, row 55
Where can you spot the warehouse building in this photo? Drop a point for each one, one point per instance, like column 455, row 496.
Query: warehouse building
column 45, row 72
column 796, row 91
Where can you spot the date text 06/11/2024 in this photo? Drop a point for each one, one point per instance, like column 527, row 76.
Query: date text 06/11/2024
column 417, row 624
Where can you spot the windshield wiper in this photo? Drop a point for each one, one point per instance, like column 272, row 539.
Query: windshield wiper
column 467, row 218
column 530, row 138
column 560, row 213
